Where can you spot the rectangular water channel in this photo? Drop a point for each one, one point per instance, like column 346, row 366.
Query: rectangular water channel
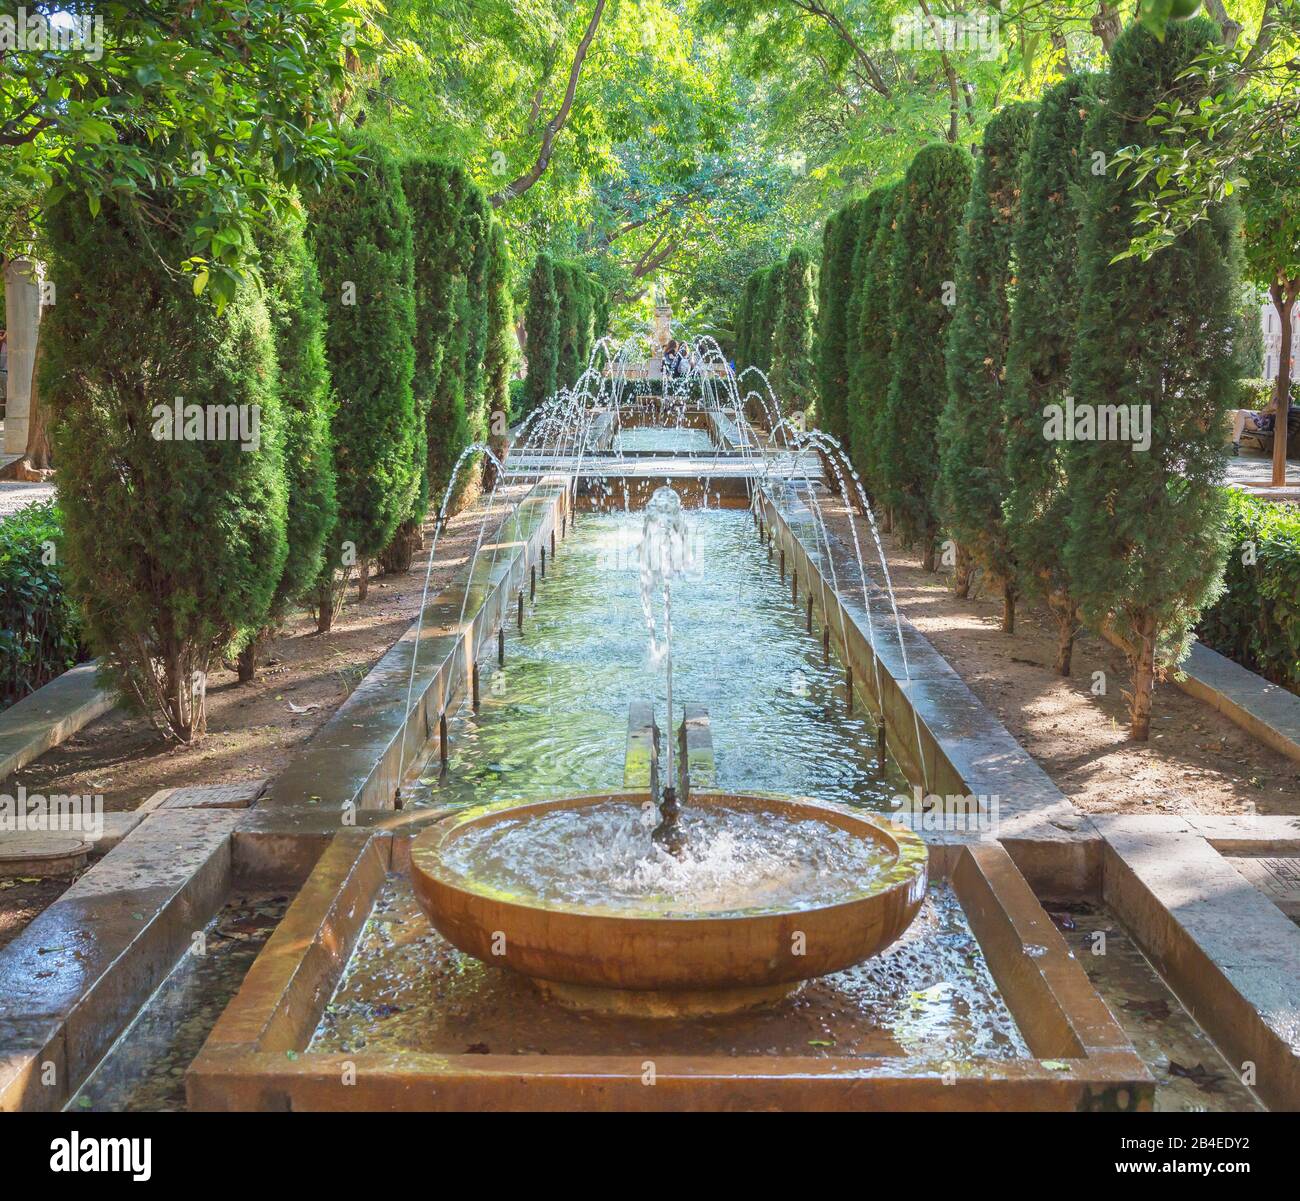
column 554, row 719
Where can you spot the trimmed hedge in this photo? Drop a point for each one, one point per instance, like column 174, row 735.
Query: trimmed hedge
column 40, row 633
column 362, row 231
column 1257, row 394
column 1256, row 621
column 923, row 267
column 175, row 534
column 1145, row 544
column 793, row 371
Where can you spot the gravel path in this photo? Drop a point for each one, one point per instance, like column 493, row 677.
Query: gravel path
column 15, row 495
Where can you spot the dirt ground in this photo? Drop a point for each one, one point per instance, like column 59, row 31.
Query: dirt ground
column 254, row 729
column 1196, row 761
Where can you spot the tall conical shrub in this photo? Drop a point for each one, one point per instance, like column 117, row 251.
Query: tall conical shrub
column 542, row 331
column 834, row 289
column 922, row 291
column 870, row 378
column 362, row 231
column 498, row 357
column 859, row 241
column 449, row 218
column 567, row 290
column 1043, row 317
column 766, row 303
column 291, row 290
column 972, row 482
column 174, row 529
column 1146, row 544
column 744, row 323
column 793, row 372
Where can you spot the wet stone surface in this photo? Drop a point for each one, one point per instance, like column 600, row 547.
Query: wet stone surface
column 145, row 1069
column 1191, row 1075
column 406, row 989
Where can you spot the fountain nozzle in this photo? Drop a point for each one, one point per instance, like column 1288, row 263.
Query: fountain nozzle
column 668, row 833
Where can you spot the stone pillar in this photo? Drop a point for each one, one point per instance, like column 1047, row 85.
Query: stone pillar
column 23, row 317
column 663, row 326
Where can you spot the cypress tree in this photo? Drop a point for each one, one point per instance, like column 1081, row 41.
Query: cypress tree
column 1043, row 317
column 456, row 412
column 542, row 331
column 587, row 287
column 858, row 253
column 566, row 286
column 745, row 322
column 476, row 217
column 291, row 290
column 793, row 372
column 923, row 272
column 869, row 381
column 768, row 298
column 833, row 291
column 1146, row 545
column 972, row 482
column 450, row 218
column 498, row 357
column 174, row 526
column 362, row 230
column 432, row 192
column 600, row 310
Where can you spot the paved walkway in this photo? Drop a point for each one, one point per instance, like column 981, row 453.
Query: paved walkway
column 1252, row 472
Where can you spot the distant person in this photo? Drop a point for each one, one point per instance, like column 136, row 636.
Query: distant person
column 683, row 364
column 1252, row 421
column 670, row 358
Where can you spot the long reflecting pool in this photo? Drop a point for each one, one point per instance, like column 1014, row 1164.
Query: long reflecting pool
column 554, row 719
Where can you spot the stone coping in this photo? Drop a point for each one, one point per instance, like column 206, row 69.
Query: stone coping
column 359, row 758
column 51, row 714
column 937, row 729
column 73, row 980
column 1266, row 711
column 1229, row 953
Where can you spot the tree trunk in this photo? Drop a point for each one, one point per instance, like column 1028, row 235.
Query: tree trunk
column 400, row 552
column 1065, row 628
column 927, row 555
column 1106, row 24
column 248, row 662
column 1008, row 607
column 1144, row 679
column 962, row 574
column 325, row 604
column 886, row 521
column 363, row 580
column 1284, row 297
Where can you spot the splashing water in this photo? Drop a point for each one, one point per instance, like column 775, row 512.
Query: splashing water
column 601, row 856
column 664, row 556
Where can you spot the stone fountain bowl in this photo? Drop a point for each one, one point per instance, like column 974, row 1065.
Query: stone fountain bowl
column 646, row 963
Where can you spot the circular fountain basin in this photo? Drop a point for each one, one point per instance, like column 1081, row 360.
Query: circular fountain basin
column 850, row 885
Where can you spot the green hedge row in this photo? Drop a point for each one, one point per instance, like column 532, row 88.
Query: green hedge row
column 774, row 329
column 1257, row 619
column 566, row 314
column 40, row 636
